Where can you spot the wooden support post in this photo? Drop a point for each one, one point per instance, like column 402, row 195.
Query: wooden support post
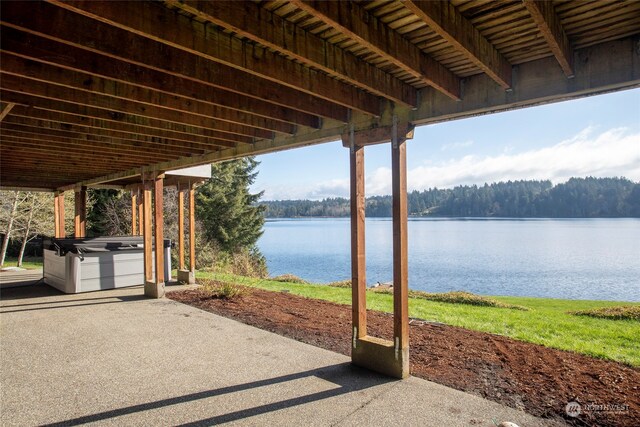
column 80, row 214
column 155, row 288
column 58, row 214
column 83, row 211
column 140, row 209
column 148, row 241
column 387, row 357
column 192, row 229
column 358, row 270
column 180, row 228
column 400, row 252
column 134, row 212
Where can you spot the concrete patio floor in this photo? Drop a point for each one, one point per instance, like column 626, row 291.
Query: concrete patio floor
column 115, row 357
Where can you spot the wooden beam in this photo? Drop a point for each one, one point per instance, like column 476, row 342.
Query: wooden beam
column 193, row 50
column 400, row 251
column 6, row 109
column 58, row 214
column 443, row 18
column 22, row 85
column 30, row 46
column 63, row 118
column 126, row 139
column 248, row 19
column 358, row 260
column 544, row 15
column 192, row 228
column 140, row 209
column 134, row 212
column 147, row 233
column 83, row 211
column 39, row 107
column 134, row 145
column 46, row 73
column 377, row 135
column 180, row 227
column 158, row 228
column 356, row 23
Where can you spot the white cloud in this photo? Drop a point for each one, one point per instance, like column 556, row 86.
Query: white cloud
column 456, row 145
column 615, row 152
column 612, row 153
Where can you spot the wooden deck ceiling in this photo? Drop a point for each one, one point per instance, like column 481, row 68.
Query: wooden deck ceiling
column 101, row 92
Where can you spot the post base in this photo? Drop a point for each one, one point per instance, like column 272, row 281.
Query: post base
column 186, row 276
column 381, row 356
column 154, row 290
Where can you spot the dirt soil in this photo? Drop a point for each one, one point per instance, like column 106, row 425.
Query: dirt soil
column 536, row 379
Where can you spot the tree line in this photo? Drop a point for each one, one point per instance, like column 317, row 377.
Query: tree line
column 576, row 198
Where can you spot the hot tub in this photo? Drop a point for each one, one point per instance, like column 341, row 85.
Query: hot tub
column 93, row 264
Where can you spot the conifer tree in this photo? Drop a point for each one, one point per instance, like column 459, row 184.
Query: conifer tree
column 227, row 209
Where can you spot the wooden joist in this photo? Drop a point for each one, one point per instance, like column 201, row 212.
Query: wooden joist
column 38, row 107
column 544, row 15
column 351, row 19
column 138, row 32
column 38, row 48
column 249, row 20
column 18, row 84
column 64, row 118
column 443, row 18
column 17, row 66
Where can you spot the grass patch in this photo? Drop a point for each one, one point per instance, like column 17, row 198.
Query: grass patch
column 623, row 312
column 289, row 278
column 341, row 284
column 461, row 297
column 222, row 290
column 28, row 263
column 546, row 322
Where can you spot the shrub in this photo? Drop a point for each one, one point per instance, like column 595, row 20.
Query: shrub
column 621, row 312
column 341, row 284
column 222, row 290
column 289, row 278
column 462, row 297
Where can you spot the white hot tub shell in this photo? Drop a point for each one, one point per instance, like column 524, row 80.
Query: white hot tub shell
column 93, row 264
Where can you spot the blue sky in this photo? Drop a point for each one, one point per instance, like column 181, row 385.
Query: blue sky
column 593, row 136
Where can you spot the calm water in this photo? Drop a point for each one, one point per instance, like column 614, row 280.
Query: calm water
column 563, row 258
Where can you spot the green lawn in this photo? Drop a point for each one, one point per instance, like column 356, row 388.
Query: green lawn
column 28, row 263
column 546, row 321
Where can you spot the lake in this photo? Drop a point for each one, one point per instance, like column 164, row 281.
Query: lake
column 555, row 258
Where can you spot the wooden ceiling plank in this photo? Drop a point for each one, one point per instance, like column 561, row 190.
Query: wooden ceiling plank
column 352, row 20
column 551, row 29
column 63, row 118
column 249, row 20
column 108, row 133
column 20, row 66
column 80, row 31
column 156, row 22
column 53, row 146
column 135, row 148
column 37, row 113
column 23, row 85
column 51, row 52
column 446, row 21
column 114, row 118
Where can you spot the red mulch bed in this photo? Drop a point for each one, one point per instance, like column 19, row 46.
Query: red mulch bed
column 531, row 377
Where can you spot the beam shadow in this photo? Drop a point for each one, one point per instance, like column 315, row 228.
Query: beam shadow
column 130, row 298
column 348, row 377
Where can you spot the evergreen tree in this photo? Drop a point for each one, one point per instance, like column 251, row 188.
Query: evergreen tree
column 228, row 211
